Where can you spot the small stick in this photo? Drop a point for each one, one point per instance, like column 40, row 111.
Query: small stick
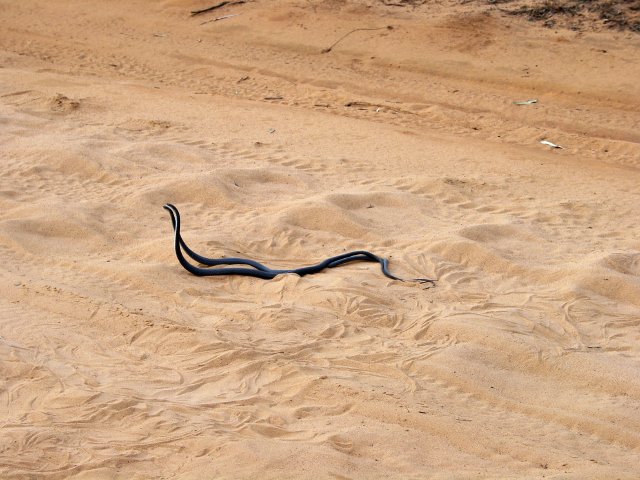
column 221, row 4
column 220, row 18
column 327, row 50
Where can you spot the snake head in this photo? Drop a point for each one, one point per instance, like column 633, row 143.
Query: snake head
column 173, row 211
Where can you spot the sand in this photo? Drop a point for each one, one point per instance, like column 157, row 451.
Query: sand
column 523, row 361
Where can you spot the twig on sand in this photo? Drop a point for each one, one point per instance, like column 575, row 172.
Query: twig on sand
column 224, row 17
column 327, row 50
column 221, row 4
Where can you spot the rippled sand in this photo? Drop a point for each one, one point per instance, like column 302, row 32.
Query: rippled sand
column 116, row 363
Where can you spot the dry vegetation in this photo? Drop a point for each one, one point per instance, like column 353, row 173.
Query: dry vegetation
column 623, row 15
column 579, row 14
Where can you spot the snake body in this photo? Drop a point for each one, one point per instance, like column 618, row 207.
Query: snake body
column 259, row 270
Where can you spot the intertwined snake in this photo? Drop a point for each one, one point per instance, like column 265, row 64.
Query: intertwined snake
column 260, row 270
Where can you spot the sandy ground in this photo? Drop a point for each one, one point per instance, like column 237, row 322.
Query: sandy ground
column 524, row 361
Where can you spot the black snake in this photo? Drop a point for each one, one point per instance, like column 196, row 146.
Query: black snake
column 259, row 270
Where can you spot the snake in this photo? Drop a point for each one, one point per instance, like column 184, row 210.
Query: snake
column 259, row 270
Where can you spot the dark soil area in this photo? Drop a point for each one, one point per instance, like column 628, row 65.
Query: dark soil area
column 580, row 15
column 576, row 14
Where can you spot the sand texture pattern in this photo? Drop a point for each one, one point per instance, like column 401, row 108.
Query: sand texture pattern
column 115, row 363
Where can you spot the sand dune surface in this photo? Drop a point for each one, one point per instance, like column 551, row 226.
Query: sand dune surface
column 523, row 361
